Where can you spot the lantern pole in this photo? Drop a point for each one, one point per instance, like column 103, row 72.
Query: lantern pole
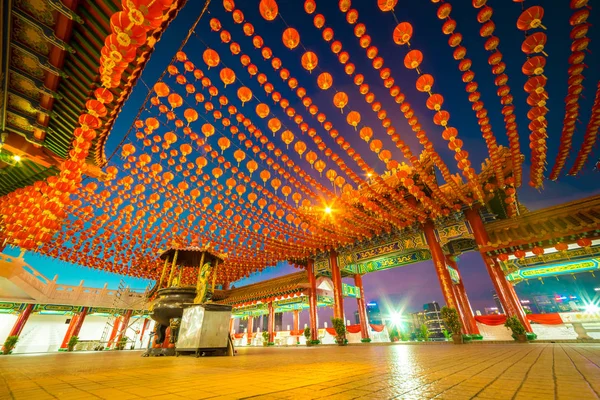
column 199, row 278
column 214, row 277
column 164, row 272
column 180, row 275
column 173, row 268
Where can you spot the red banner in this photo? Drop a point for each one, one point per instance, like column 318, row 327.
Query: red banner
column 331, row 331
column 377, row 328
column 500, row 319
column 493, row 320
column 545, row 319
column 353, row 328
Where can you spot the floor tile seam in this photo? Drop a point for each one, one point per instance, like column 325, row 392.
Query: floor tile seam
column 528, row 370
column 495, row 355
column 496, row 378
column 587, row 358
column 579, row 372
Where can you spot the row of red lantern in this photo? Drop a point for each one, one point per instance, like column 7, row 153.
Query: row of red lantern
column 186, row 203
column 249, row 126
column 590, row 136
column 277, row 64
column 539, row 251
column 533, row 67
column 394, row 90
column 579, row 45
column 484, row 17
column 129, row 30
column 413, row 60
column 259, row 187
column 510, row 201
column 339, row 101
column 44, row 217
column 283, row 102
column 471, row 86
column 376, row 146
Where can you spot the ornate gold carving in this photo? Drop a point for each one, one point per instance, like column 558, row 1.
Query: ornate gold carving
column 26, row 63
column 18, row 122
column 38, row 9
column 30, row 36
column 22, row 105
column 23, row 85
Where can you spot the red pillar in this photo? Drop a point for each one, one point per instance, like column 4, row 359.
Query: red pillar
column 439, row 262
column 114, row 332
column 506, row 293
column 69, row 333
column 226, row 286
column 296, row 325
column 144, row 326
column 250, row 329
column 362, row 308
column 231, row 320
column 21, row 320
column 80, row 320
column 271, row 323
column 471, row 324
column 124, row 325
column 336, row 277
column 312, row 300
column 74, row 327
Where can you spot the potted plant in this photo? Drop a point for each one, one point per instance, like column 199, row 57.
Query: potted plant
column 452, row 322
column 404, row 336
column 122, row 342
column 307, row 336
column 394, row 335
column 9, row 344
column 72, row 342
column 340, row 331
column 517, row 328
column 423, row 333
column 265, row 336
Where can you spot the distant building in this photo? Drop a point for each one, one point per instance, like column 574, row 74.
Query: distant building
column 373, row 313
column 498, row 303
column 418, row 319
column 491, row 310
column 356, row 317
column 243, row 324
column 278, row 322
column 556, row 303
column 529, row 306
column 431, row 317
column 433, row 320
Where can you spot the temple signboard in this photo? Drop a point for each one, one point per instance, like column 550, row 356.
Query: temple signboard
column 454, row 276
column 350, row 291
column 393, row 261
column 572, row 267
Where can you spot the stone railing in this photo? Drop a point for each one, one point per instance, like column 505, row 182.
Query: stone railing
column 45, row 291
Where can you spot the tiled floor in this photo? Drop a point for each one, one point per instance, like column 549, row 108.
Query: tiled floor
column 445, row 371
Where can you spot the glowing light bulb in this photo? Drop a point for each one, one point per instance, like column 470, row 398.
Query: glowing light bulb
column 328, row 210
column 16, row 158
column 396, row 319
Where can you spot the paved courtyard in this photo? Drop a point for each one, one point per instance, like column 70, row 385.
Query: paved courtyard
column 445, row 371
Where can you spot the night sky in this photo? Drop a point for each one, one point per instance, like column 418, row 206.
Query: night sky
column 411, row 286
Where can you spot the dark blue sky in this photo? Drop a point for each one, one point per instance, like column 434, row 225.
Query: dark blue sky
column 415, row 284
